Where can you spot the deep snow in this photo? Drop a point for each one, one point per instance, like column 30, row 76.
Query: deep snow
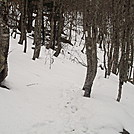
column 45, row 97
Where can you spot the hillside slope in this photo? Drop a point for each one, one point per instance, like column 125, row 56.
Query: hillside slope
column 45, row 97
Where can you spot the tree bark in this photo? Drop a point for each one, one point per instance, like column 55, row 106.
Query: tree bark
column 59, row 30
column 22, row 22
column 91, row 53
column 91, row 50
column 37, row 31
column 4, row 46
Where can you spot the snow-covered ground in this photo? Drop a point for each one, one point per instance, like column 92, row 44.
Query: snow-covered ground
column 45, row 97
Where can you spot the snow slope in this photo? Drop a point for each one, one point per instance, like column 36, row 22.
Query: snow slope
column 45, row 97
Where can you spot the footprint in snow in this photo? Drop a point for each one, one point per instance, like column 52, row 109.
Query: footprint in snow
column 74, row 109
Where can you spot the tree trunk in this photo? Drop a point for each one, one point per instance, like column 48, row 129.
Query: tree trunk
column 37, row 32
column 52, row 28
column 104, row 59
column 91, row 53
column 25, row 23
column 122, row 68
column 115, row 53
column 30, row 17
column 4, row 46
column 22, row 22
column 59, row 30
column 91, row 49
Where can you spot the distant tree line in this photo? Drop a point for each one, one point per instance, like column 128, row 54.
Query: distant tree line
column 108, row 23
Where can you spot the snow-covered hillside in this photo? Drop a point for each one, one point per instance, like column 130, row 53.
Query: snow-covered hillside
column 45, row 97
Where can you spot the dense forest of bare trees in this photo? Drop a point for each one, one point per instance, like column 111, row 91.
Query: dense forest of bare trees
column 108, row 23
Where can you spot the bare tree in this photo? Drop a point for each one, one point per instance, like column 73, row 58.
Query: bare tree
column 37, row 30
column 4, row 41
column 90, row 42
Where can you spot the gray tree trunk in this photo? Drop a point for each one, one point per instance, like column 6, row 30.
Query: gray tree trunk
column 4, row 46
column 91, row 50
column 59, row 30
column 22, row 22
column 37, row 30
column 91, row 53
